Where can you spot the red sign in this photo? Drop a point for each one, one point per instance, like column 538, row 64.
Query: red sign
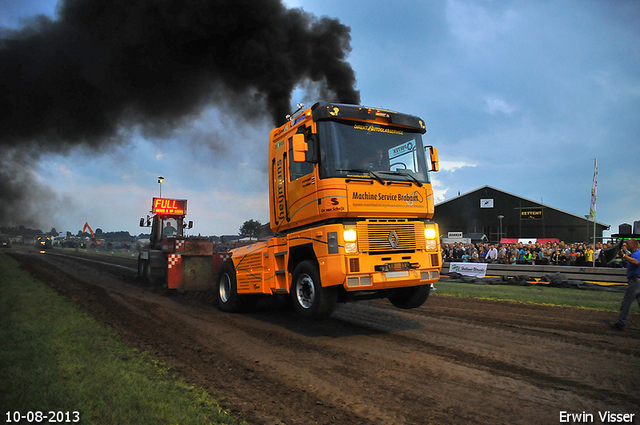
column 169, row 206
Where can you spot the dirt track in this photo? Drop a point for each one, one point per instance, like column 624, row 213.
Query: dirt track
column 451, row 361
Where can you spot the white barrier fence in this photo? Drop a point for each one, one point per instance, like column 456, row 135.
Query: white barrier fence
column 609, row 275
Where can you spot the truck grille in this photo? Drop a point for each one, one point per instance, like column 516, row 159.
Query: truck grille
column 376, row 236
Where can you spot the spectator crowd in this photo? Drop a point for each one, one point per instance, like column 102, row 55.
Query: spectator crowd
column 554, row 253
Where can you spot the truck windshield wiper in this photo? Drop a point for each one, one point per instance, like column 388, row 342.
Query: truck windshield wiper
column 371, row 174
column 409, row 176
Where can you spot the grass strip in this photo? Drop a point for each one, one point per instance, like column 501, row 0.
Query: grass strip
column 54, row 357
column 122, row 253
column 539, row 295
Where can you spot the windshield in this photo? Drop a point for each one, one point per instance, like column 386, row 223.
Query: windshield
column 170, row 227
column 364, row 149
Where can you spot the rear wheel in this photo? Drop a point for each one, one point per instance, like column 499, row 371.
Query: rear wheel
column 310, row 298
column 227, row 296
column 413, row 297
column 142, row 270
column 149, row 274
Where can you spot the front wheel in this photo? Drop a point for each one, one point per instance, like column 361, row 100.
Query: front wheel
column 412, row 297
column 310, row 298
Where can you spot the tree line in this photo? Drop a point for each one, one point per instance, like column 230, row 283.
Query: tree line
column 250, row 229
column 29, row 233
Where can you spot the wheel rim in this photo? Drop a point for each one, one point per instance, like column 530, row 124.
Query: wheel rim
column 225, row 288
column 305, row 291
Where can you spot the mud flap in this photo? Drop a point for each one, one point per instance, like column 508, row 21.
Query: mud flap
column 175, row 271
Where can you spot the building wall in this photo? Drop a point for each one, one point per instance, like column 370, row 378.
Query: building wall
column 479, row 211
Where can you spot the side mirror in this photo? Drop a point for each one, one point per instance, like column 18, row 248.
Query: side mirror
column 142, row 222
column 435, row 162
column 300, row 148
column 190, row 224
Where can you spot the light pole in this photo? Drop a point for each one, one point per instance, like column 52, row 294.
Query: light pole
column 588, row 217
column 500, row 217
column 160, row 180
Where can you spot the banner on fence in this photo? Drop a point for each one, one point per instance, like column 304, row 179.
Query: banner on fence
column 469, row 269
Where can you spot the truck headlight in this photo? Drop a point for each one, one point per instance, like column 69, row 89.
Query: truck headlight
column 351, row 247
column 431, row 235
column 350, row 237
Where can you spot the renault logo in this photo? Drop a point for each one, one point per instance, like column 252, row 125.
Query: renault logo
column 393, row 239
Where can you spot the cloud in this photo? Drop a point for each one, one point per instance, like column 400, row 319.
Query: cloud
column 496, row 105
column 62, row 168
column 476, row 25
column 453, row 165
column 439, row 192
column 223, row 210
column 441, row 181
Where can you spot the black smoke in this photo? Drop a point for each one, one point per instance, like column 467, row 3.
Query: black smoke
column 104, row 66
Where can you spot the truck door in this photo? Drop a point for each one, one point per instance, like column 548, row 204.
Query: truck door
column 293, row 186
column 156, row 232
column 302, row 202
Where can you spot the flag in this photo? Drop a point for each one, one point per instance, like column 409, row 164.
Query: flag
column 594, row 191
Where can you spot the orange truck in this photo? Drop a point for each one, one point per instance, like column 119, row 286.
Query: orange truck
column 350, row 208
column 350, row 203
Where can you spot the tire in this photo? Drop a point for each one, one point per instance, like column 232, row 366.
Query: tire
column 413, row 297
column 227, row 297
column 310, row 299
column 148, row 273
column 142, row 270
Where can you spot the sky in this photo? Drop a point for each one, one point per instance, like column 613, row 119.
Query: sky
column 518, row 95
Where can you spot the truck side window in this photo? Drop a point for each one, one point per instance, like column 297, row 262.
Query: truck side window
column 297, row 169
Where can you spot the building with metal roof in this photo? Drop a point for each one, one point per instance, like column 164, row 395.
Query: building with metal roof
column 493, row 215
